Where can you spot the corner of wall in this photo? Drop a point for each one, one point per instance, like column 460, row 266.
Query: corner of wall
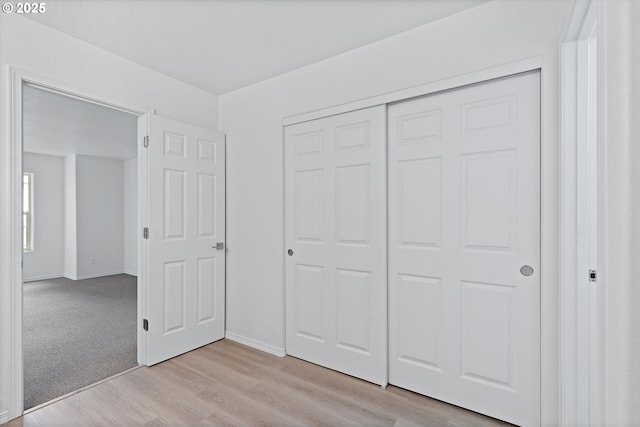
column 259, row 345
column 70, row 209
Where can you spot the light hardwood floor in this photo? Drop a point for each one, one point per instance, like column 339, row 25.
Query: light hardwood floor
column 229, row 384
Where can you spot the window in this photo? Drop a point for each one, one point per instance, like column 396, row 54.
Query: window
column 27, row 212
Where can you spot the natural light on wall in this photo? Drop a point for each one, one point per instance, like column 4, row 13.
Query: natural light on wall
column 27, row 212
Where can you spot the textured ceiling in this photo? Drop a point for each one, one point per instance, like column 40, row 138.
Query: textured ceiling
column 223, row 45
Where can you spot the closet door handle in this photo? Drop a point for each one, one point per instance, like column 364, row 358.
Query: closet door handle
column 526, row 270
column 290, row 252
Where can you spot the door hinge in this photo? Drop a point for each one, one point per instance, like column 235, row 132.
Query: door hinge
column 145, row 232
column 593, row 275
column 145, row 141
column 145, row 324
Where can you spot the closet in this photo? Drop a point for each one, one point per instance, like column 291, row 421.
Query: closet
column 413, row 237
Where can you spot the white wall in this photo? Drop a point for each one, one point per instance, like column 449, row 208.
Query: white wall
column 47, row 258
column 40, row 50
column 634, row 318
column 131, row 217
column 495, row 33
column 70, row 230
column 100, row 216
column 619, row 233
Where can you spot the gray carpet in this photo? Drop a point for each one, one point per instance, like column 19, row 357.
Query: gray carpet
column 76, row 333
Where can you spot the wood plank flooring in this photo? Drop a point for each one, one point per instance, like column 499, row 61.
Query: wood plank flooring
column 228, row 384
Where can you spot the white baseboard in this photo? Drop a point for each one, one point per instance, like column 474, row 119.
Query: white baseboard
column 94, row 275
column 46, row 277
column 267, row 348
column 74, row 277
column 4, row 417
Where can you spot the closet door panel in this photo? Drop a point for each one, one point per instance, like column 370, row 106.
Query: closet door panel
column 464, row 247
column 335, row 211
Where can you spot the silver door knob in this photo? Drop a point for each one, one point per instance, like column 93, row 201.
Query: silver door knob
column 526, row 270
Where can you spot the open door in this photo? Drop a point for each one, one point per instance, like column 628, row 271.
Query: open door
column 183, row 228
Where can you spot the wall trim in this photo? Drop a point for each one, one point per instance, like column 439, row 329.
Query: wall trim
column 142, row 245
column 45, row 277
column 4, row 417
column 498, row 71
column 267, row 348
column 579, row 338
column 96, row 275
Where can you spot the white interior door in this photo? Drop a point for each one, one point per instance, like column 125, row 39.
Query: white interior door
column 335, row 190
column 185, row 197
column 464, row 224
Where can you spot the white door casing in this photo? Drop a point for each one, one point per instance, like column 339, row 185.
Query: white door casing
column 464, row 217
column 335, row 211
column 186, row 219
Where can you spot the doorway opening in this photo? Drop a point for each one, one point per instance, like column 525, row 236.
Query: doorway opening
column 80, row 250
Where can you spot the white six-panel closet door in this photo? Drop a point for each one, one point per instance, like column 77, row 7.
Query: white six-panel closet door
column 335, row 214
column 464, row 247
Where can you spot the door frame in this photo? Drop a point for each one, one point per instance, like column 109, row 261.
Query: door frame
column 11, row 263
column 550, row 220
column 580, row 351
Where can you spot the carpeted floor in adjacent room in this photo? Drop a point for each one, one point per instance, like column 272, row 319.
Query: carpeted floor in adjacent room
column 76, row 333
